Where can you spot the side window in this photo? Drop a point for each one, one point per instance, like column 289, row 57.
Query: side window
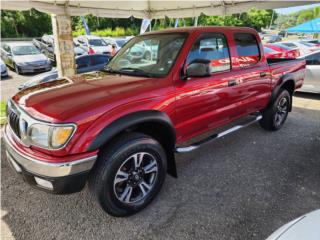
column 213, row 47
column 95, row 60
column 313, row 59
column 83, row 62
column 247, row 49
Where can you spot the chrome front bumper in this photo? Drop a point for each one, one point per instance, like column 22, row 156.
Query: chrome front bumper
column 38, row 167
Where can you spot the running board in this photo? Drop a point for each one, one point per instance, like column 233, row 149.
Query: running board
column 209, row 139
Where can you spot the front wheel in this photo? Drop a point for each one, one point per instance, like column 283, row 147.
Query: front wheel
column 275, row 115
column 129, row 174
column 16, row 68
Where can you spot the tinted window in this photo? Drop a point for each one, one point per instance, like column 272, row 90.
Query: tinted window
column 97, row 42
column 212, row 47
column 247, row 49
column 99, row 59
column 290, row 45
column 83, row 62
column 313, row 59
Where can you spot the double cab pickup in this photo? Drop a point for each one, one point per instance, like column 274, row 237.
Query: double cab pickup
column 119, row 129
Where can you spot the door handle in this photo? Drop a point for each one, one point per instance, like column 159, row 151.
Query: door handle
column 232, row 82
column 263, row 74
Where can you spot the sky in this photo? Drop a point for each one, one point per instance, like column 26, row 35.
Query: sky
column 295, row 9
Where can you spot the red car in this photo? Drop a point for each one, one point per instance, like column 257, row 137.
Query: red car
column 287, row 52
column 119, row 129
column 270, row 53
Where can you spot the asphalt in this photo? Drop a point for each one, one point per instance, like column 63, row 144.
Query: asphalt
column 241, row 187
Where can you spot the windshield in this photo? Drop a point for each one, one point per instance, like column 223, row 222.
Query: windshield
column 97, row 42
column 25, row 50
column 150, row 55
column 121, row 42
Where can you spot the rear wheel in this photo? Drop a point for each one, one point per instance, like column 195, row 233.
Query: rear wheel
column 129, row 174
column 275, row 115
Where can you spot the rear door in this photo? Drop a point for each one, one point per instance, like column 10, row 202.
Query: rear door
column 203, row 103
column 251, row 73
column 312, row 77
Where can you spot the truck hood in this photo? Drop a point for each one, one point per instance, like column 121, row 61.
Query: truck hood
column 64, row 100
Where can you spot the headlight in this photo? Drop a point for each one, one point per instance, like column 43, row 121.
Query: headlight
column 50, row 136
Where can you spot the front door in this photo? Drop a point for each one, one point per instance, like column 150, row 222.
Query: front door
column 203, row 103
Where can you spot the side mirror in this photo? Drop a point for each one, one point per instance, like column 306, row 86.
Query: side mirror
column 198, row 68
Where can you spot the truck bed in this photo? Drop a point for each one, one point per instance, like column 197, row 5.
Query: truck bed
column 279, row 67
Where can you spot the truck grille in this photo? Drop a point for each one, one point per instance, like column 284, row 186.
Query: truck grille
column 13, row 120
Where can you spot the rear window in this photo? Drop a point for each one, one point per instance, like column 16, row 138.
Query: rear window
column 247, row 49
column 290, row 45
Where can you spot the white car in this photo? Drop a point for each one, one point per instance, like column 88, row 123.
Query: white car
column 305, row 227
column 94, row 44
column 4, row 70
column 312, row 77
column 303, row 47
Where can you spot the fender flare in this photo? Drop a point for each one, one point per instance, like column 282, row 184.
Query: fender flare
column 131, row 119
column 283, row 80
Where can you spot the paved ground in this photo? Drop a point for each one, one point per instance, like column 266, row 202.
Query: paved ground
column 242, row 187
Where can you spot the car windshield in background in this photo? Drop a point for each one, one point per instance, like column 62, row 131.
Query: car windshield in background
column 25, row 50
column 150, row 55
column 121, row 42
column 308, row 44
column 97, row 42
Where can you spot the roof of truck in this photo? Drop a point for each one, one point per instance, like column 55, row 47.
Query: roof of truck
column 199, row 29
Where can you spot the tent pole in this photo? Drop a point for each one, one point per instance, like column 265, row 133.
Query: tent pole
column 64, row 50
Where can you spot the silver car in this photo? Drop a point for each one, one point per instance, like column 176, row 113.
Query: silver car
column 312, row 78
column 24, row 57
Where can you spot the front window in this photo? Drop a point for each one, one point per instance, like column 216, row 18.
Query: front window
column 150, row 55
column 25, row 50
column 97, row 42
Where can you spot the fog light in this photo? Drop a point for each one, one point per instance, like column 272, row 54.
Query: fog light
column 43, row 183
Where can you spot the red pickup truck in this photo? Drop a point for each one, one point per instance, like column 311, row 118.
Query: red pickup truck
column 119, row 129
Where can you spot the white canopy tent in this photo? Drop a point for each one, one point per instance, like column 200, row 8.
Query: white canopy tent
column 151, row 9
column 61, row 11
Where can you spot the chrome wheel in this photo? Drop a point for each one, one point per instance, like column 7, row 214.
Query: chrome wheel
column 135, row 178
column 281, row 111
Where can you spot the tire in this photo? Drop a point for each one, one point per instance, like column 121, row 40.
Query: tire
column 275, row 115
column 16, row 69
column 115, row 174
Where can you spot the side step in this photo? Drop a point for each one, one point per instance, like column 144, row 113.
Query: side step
column 209, row 139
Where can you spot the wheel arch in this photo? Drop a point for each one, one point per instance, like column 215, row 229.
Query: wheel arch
column 150, row 122
column 287, row 83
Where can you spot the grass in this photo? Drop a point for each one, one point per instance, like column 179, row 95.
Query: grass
column 3, row 118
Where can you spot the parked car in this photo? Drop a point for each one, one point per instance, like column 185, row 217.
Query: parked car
column 120, row 128
column 271, row 53
column 94, row 44
column 111, row 42
column 4, row 70
column 305, row 227
column 46, row 46
column 312, row 78
column 121, row 41
column 24, row 57
column 313, row 41
column 84, row 63
column 304, row 47
column 273, row 38
column 287, row 52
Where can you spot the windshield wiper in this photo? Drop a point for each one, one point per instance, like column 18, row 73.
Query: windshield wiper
column 136, row 70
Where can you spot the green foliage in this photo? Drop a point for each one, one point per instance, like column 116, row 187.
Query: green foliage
column 24, row 24
column 3, row 106
column 108, row 32
column 289, row 20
